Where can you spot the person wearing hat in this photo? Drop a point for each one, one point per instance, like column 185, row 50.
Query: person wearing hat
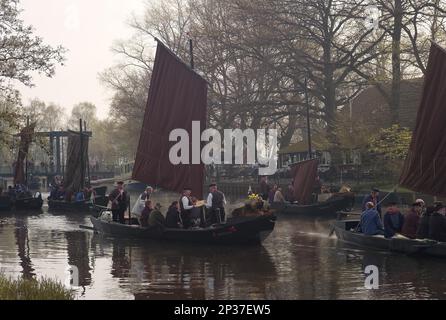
column 146, row 194
column 437, row 224
column 215, row 203
column 374, row 198
column 120, row 202
column 156, row 218
column 412, row 221
column 393, row 220
column 186, row 207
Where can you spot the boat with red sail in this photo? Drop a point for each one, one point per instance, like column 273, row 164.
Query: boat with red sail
column 424, row 170
column 304, row 180
column 177, row 98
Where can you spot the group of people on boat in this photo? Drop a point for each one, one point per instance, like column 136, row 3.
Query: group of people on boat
column 420, row 222
column 58, row 192
column 18, row 191
column 185, row 213
column 274, row 193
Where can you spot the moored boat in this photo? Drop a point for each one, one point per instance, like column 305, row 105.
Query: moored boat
column 5, row 203
column 345, row 231
column 29, row 203
column 242, row 230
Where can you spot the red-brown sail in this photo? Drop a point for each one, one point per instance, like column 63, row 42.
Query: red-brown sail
column 77, row 152
column 425, row 166
column 177, row 96
column 26, row 137
column 304, row 174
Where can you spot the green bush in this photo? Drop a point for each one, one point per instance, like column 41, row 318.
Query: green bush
column 32, row 289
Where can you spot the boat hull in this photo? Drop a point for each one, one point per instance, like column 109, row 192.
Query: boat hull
column 247, row 230
column 28, row 204
column 343, row 230
column 327, row 208
column 85, row 207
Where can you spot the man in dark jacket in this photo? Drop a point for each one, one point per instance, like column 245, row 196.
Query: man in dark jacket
column 156, row 218
column 373, row 197
column 393, row 220
column 215, row 203
column 412, row 221
column 120, row 203
column 264, row 188
column 423, row 228
column 173, row 219
column 437, row 225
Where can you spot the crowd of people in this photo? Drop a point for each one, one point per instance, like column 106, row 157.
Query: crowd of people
column 58, row 192
column 18, row 191
column 420, row 222
column 185, row 213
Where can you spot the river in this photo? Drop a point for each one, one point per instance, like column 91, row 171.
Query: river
column 298, row 261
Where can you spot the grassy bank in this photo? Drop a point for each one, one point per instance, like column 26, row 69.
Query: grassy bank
column 42, row 289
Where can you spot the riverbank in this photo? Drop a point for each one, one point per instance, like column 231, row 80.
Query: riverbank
column 31, row 289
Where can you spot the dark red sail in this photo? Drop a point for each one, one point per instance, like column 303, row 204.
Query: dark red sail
column 26, row 137
column 177, row 96
column 425, row 167
column 77, row 153
column 304, row 174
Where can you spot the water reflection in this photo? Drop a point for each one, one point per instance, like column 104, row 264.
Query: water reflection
column 22, row 241
column 298, row 261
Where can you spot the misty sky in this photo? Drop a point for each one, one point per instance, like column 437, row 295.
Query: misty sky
column 87, row 28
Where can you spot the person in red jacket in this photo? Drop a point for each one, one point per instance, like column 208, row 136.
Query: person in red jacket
column 412, row 221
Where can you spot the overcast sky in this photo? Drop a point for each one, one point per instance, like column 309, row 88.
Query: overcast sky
column 87, row 28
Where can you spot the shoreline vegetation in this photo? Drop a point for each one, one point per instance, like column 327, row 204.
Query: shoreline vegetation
column 33, row 289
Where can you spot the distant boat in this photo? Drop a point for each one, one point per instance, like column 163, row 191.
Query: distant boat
column 24, row 201
column 304, row 178
column 74, row 179
column 177, row 97
column 424, row 170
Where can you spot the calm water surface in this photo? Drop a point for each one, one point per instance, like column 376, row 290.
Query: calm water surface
column 298, row 261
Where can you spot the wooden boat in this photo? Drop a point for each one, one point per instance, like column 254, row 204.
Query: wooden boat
column 29, row 203
column 5, row 203
column 86, row 206
column 344, row 230
column 80, row 207
column 338, row 202
column 243, row 230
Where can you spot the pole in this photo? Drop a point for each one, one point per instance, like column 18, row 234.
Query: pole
column 308, row 120
column 26, row 156
column 81, row 154
column 88, row 157
column 191, row 50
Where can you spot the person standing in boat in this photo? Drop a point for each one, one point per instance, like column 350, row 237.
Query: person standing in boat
column 393, row 220
column 119, row 200
column 412, row 221
column 264, row 188
column 146, row 194
column 374, row 198
column 423, row 227
column 216, row 202
column 186, row 207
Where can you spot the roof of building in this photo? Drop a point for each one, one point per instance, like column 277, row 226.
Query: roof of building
column 372, row 106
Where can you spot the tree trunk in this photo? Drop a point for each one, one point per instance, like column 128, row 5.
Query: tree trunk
column 396, row 61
